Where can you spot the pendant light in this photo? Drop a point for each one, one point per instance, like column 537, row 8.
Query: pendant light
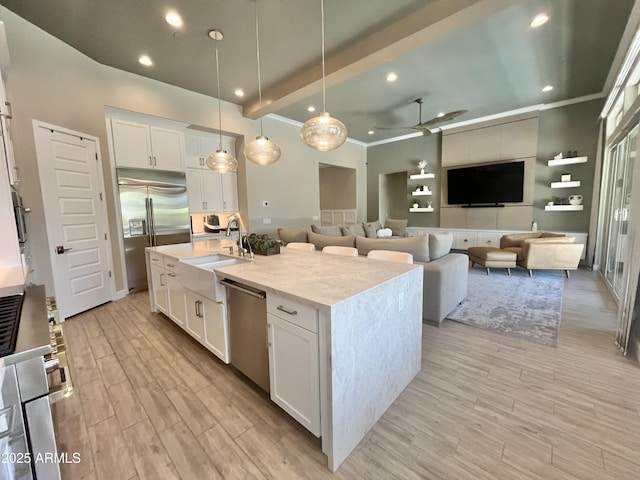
column 261, row 151
column 323, row 132
column 221, row 161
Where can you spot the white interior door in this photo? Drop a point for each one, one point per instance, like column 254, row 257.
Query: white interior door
column 76, row 219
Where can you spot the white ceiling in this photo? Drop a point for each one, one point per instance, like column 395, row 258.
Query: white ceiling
column 478, row 55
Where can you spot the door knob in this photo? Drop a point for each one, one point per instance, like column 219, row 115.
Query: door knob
column 60, row 249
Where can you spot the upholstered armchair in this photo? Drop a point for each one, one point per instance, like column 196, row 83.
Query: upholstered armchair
column 544, row 251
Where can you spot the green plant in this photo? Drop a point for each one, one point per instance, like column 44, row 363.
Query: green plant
column 261, row 241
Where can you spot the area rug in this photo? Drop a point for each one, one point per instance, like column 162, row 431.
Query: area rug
column 517, row 305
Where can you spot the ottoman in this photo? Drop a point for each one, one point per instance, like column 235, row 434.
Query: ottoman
column 492, row 257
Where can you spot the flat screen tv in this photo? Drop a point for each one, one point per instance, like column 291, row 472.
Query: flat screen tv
column 486, row 184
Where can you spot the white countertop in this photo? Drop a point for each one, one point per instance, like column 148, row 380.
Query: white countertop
column 320, row 279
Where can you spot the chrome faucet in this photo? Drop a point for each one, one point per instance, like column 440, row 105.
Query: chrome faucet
column 234, row 220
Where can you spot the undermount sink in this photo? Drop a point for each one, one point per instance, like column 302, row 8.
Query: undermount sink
column 198, row 275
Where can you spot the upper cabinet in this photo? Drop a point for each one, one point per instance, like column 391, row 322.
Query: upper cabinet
column 140, row 145
column 6, row 145
column 506, row 141
column 197, row 149
column 211, row 192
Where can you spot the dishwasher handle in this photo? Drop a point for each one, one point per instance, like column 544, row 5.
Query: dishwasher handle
column 244, row 289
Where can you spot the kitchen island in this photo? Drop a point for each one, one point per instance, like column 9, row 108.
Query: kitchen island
column 368, row 320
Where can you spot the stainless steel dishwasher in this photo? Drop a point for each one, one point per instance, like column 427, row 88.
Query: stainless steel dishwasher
column 247, row 309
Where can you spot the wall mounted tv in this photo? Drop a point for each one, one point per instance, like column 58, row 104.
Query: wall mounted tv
column 486, row 184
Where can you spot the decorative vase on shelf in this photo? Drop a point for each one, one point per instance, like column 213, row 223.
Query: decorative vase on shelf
column 429, row 205
column 416, row 205
column 421, row 165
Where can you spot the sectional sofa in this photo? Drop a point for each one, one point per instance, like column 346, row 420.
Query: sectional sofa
column 445, row 273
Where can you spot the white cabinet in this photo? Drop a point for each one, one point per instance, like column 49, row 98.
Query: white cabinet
column 488, row 239
column 197, row 149
column 140, row 145
column 6, row 145
column 195, row 314
column 207, row 323
column 294, row 376
column 159, row 288
column 464, row 240
column 211, row 192
column 175, row 293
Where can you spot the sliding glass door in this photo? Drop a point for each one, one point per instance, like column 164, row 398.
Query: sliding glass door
column 621, row 163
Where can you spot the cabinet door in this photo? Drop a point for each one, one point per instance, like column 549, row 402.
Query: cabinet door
column 216, row 329
column 464, row 240
column 177, row 310
column 211, row 194
column 194, row 190
column 159, row 288
column 195, row 316
column 488, row 239
column 131, row 144
column 294, row 371
column 193, row 157
column 168, row 149
column 229, row 192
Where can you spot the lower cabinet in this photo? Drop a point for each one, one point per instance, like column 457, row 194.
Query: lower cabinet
column 294, row 371
column 175, row 291
column 207, row 323
column 159, row 286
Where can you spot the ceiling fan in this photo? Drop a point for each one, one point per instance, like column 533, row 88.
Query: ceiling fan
column 424, row 126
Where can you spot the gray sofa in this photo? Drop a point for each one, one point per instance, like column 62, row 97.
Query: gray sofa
column 445, row 273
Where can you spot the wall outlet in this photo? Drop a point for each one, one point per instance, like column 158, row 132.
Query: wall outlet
column 265, row 203
column 266, row 221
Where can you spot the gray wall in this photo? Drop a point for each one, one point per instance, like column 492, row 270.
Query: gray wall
column 52, row 82
column 404, row 156
column 573, row 127
column 337, row 188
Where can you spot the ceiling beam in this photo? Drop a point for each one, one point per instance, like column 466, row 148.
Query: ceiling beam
column 422, row 27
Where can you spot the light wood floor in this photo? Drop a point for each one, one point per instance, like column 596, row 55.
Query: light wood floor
column 151, row 403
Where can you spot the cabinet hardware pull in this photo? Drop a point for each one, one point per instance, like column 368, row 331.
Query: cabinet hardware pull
column 197, row 309
column 9, row 114
column 155, row 163
column 170, row 265
column 161, row 284
column 290, row 312
column 171, row 274
column 150, row 161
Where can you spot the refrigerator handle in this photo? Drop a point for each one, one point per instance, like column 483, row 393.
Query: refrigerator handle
column 147, row 207
column 153, row 223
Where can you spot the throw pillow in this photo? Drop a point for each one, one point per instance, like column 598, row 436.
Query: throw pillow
column 332, row 230
column 440, row 244
column 398, row 227
column 384, row 232
column 356, row 229
column 417, row 246
column 288, row 235
column 321, row 241
column 372, row 228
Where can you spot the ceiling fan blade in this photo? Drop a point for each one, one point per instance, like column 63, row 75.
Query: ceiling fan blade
column 444, row 118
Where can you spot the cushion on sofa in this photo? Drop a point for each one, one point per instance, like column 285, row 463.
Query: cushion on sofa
column 288, row 235
column 384, row 233
column 370, row 228
column 398, row 227
column 440, row 244
column 416, row 246
column 333, row 230
column 356, row 229
column 321, row 241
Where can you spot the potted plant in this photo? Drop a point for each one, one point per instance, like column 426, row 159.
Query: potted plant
column 262, row 244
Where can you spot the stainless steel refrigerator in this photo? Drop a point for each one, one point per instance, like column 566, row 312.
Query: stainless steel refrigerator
column 155, row 211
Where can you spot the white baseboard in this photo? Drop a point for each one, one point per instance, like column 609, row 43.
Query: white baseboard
column 120, row 294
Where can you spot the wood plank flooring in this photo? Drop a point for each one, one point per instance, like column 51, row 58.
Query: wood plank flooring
column 150, row 403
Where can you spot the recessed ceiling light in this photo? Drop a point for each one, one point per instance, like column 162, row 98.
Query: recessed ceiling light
column 441, row 114
column 174, row 19
column 145, row 60
column 539, row 19
column 311, row 108
column 392, row 77
column 371, row 132
column 547, row 88
column 238, row 92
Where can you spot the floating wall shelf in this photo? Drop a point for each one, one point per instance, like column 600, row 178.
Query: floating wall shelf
column 575, row 183
column 566, row 161
column 421, row 209
column 558, row 208
column 421, row 194
column 422, row 176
